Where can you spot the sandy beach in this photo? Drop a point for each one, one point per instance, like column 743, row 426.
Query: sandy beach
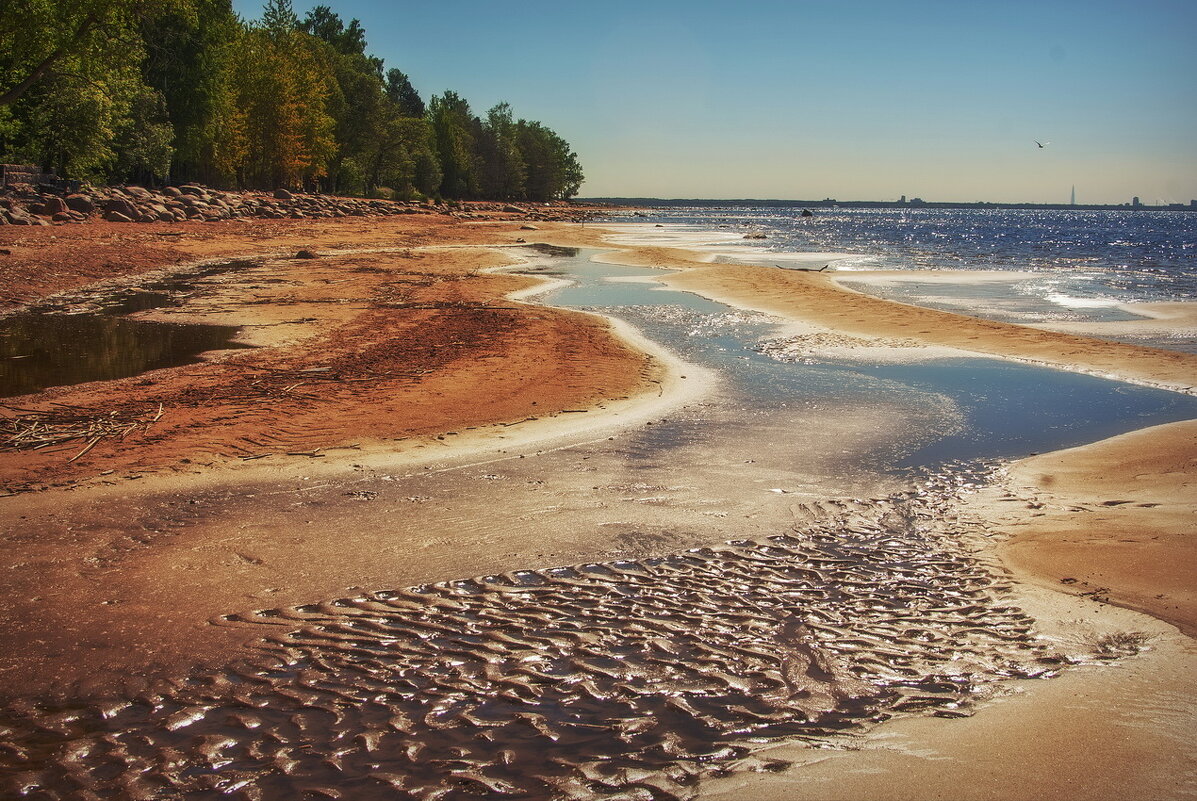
column 405, row 356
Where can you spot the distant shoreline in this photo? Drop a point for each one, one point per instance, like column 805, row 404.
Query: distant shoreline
column 827, row 203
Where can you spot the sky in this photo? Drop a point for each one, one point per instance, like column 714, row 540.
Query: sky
column 939, row 99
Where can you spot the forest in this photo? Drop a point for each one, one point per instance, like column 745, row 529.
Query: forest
column 158, row 91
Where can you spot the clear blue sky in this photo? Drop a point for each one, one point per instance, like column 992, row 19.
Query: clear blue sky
column 852, row 100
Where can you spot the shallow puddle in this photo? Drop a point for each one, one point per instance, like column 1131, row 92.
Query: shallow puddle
column 47, row 350
column 49, row 347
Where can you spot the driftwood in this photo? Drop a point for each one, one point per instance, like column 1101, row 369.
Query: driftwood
column 36, row 429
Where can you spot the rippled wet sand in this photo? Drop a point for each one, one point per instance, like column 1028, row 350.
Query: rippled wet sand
column 632, row 678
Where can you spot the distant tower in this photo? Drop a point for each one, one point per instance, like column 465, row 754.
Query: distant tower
column 1074, row 194
column 1135, row 202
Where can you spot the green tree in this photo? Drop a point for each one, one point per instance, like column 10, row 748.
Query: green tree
column 456, row 130
column 279, row 18
column 553, row 168
column 503, row 174
column 188, row 58
column 400, row 92
column 326, row 25
column 143, row 140
column 45, row 39
column 358, row 105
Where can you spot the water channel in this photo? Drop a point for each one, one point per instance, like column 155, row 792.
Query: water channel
column 983, row 408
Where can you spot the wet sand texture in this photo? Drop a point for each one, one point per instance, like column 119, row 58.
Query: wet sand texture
column 627, row 676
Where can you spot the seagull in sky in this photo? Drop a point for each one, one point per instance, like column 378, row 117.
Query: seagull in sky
column 1042, row 144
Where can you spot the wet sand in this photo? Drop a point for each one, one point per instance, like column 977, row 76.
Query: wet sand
column 1111, row 522
column 246, row 540
column 816, row 298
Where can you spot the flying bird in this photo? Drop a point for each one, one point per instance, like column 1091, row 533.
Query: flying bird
column 1042, row 144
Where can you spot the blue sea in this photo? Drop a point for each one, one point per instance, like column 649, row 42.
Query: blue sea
column 1073, row 265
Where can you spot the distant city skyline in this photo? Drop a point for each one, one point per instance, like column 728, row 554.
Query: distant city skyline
column 859, row 100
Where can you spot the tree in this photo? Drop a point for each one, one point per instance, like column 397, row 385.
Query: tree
column 282, row 87
column 279, row 18
column 327, row 26
column 553, row 169
column 400, row 92
column 456, row 131
column 503, row 173
column 43, row 39
column 143, row 139
column 188, row 58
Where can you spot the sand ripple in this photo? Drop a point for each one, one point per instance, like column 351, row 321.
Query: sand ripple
column 632, row 678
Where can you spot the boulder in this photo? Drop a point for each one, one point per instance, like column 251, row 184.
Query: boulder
column 513, row 210
column 53, row 206
column 307, row 254
column 18, row 218
column 124, row 208
column 80, row 203
column 283, row 194
column 141, row 193
column 117, row 217
column 529, row 228
column 191, row 189
column 172, row 191
column 63, row 216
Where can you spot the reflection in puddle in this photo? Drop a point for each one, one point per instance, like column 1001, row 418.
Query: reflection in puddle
column 47, row 348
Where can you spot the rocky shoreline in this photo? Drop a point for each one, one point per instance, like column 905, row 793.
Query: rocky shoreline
column 25, row 204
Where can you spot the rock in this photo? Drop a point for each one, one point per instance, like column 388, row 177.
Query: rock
column 283, row 194
column 18, row 218
column 513, row 210
column 755, row 235
column 80, row 203
column 307, row 254
column 529, row 228
column 63, row 216
column 122, row 207
column 141, row 193
column 117, row 217
column 172, row 191
column 53, row 206
column 191, row 189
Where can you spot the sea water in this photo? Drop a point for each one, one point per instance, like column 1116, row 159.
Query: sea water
column 1072, row 265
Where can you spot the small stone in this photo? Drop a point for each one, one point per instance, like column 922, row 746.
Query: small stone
column 307, row 254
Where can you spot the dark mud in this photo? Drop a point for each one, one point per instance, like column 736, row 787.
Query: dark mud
column 629, row 678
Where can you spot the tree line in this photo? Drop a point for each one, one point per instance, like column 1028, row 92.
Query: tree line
column 150, row 91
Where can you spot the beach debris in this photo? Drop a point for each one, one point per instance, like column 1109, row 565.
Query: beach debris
column 756, row 235
column 26, row 429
